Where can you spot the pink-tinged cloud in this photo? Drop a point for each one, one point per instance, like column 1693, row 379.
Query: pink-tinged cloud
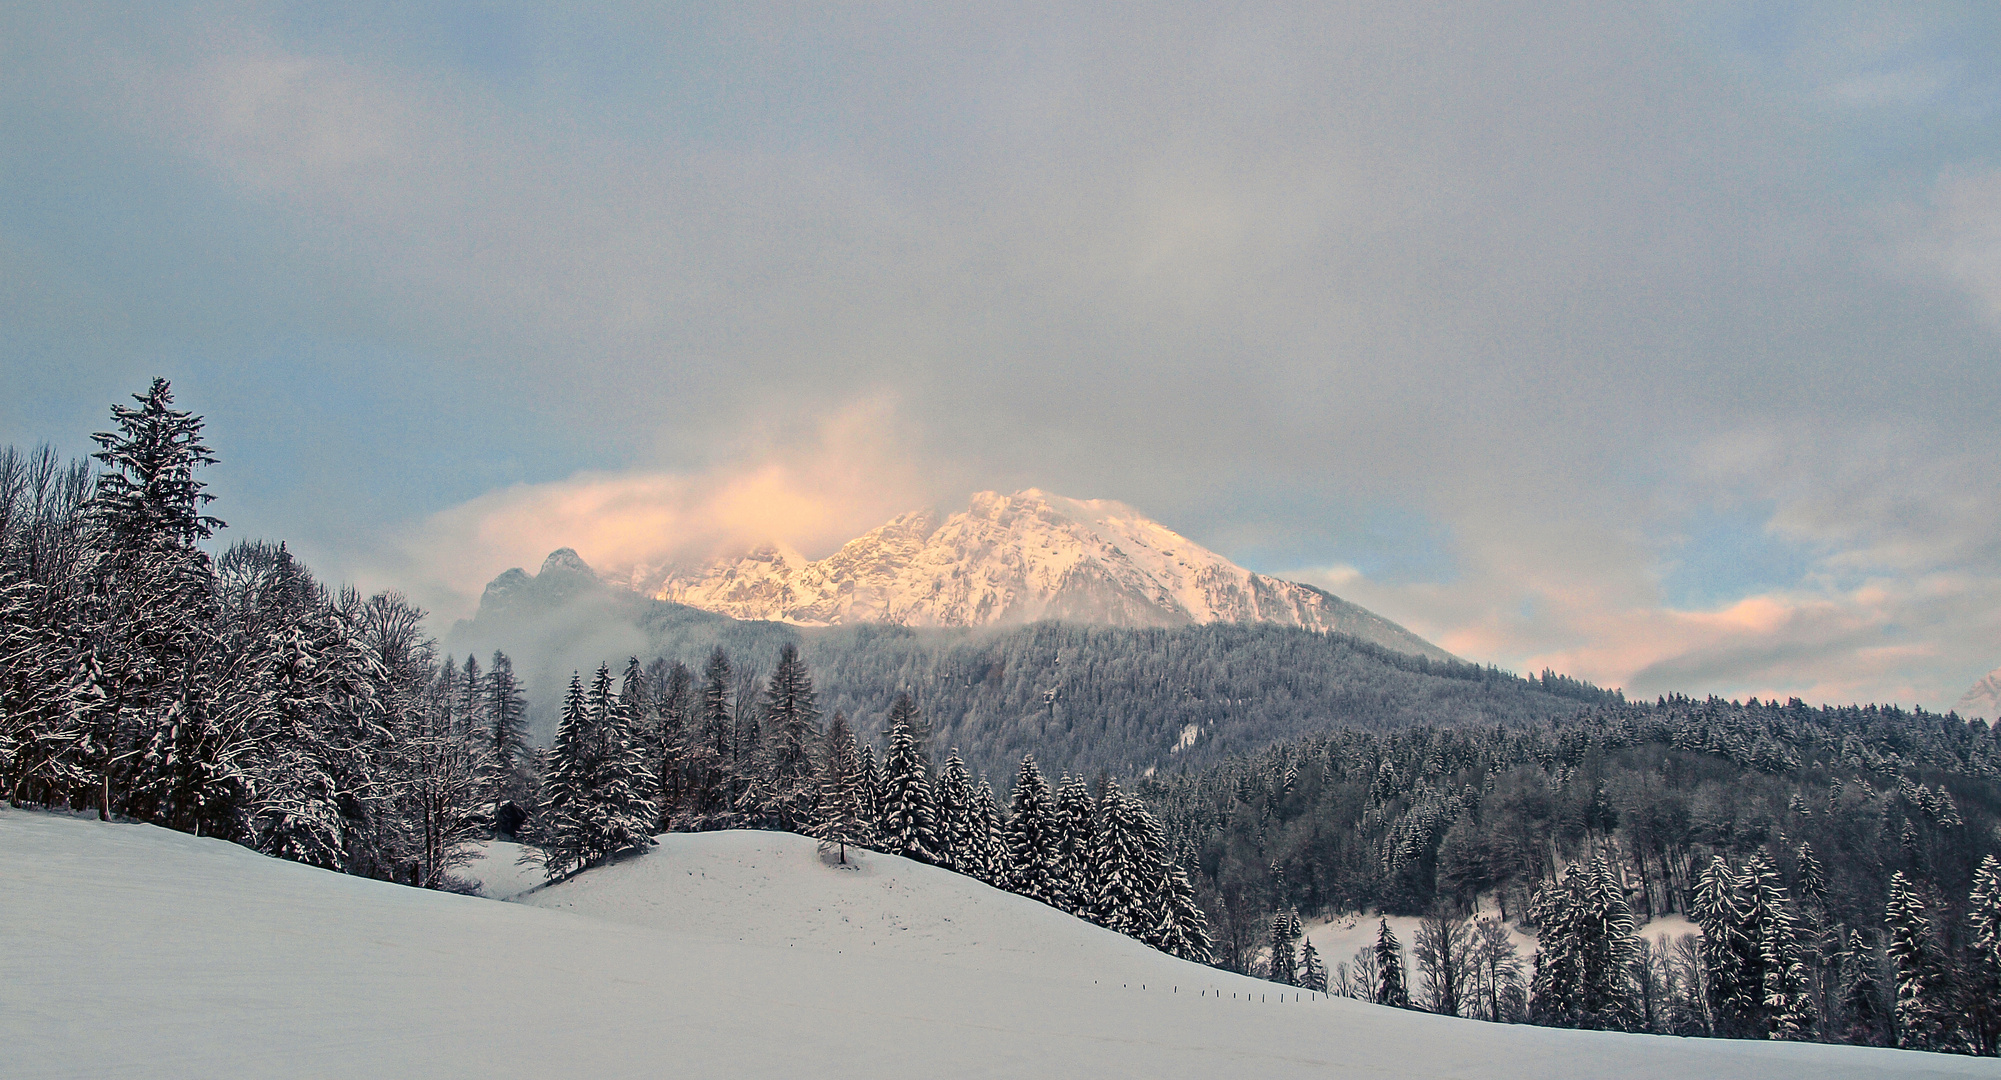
column 810, row 491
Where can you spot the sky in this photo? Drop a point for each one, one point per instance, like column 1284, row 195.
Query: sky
column 1655, row 343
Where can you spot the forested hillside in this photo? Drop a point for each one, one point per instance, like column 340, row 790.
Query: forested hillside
column 1830, row 821
column 234, row 696
column 1081, row 698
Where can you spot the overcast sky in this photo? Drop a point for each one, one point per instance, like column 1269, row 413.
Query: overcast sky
column 1656, row 343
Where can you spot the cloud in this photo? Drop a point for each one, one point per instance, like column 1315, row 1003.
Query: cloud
column 1542, row 286
column 1961, row 236
column 1898, row 597
column 809, row 489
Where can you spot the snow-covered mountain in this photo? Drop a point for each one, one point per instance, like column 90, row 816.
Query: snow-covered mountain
column 716, row 954
column 1010, row 559
column 1983, row 699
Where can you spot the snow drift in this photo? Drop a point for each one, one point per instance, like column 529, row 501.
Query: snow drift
column 127, row 950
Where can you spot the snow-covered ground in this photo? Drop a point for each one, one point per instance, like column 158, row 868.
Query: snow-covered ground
column 129, row 951
column 499, row 871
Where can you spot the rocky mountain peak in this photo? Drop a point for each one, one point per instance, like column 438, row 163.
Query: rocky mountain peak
column 567, row 561
column 1007, row 559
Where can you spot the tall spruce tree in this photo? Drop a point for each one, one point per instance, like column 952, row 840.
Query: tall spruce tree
column 1281, row 945
column 990, row 838
column 674, row 710
column 1183, row 927
column 1077, row 825
column 1784, row 992
column 869, row 785
column 1866, row 1020
column 1734, row 984
column 1924, row 1016
column 599, row 779
column 840, row 821
column 507, row 733
column 1983, row 924
column 904, row 817
column 1121, row 872
column 958, row 836
column 627, row 779
column 1312, row 970
column 1583, row 972
column 1033, row 843
column 1391, row 987
column 152, row 607
column 792, row 722
column 714, row 750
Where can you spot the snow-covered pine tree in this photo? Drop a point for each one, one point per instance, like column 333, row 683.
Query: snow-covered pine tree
column 507, row 713
column 1734, row 990
column 905, row 820
column 1583, row 972
column 1390, row 986
column 1281, row 947
column 1924, row 1015
column 624, row 783
column 1183, row 928
column 1121, row 870
column 1312, row 970
column 1156, row 860
column 1033, row 852
column 674, row 710
column 291, row 800
column 564, row 777
column 1077, row 825
column 1811, row 875
column 792, row 723
column 749, row 766
column 958, row 840
column 1983, row 924
column 715, row 744
column 1785, row 1000
column 152, row 602
column 472, row 703
column 868, row 786
column 989, row 838
column 563, row 845
column 839, row 820
column 1866, row 1022
column 603, row 778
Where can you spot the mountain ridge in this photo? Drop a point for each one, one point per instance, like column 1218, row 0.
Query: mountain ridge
column 1005, row 560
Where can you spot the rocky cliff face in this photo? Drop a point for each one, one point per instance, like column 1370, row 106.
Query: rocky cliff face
column 1009, row 559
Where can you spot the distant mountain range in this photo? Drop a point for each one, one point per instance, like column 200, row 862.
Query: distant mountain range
column 1005, row 560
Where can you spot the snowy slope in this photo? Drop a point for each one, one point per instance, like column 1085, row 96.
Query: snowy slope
column 128, row 951
column 1010, row 559
column 1983, row 700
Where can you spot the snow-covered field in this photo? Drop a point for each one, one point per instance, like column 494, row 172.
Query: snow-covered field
column 131, row 951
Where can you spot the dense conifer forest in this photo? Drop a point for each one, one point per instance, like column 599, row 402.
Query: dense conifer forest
column 1844, row 858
